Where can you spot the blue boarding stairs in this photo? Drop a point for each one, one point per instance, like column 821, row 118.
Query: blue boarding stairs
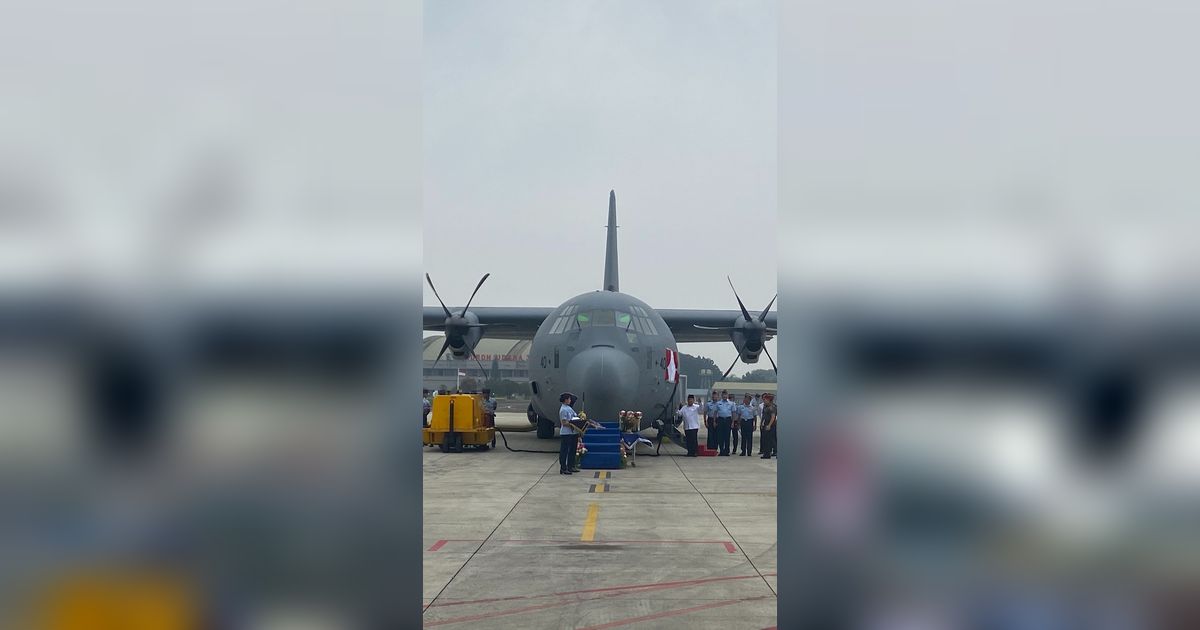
column 603, row 447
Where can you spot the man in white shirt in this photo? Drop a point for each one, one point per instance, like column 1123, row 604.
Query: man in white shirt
column 691, row 424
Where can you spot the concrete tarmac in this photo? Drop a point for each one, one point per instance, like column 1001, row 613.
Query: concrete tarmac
column 674, row 542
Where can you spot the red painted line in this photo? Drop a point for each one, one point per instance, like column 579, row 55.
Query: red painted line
column 548, row 540
column 568, row 602
column 730, row 548
column 624, row 587
column 438, row 545
column 671, row 613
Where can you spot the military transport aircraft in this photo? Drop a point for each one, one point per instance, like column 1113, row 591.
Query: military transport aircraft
column 609, row 348
column 1101, row 358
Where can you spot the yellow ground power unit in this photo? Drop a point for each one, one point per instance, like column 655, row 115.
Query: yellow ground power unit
column 458, row 421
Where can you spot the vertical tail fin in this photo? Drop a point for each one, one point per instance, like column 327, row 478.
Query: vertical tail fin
column 611, row 282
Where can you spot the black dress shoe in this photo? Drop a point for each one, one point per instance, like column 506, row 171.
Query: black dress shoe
column 564, row 472
column 575, row 470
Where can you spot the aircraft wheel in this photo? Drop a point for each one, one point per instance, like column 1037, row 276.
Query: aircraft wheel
column 545, row 429
column 531, row 414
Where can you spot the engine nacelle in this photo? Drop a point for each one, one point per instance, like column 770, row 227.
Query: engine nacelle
column 748, row 337
column 463, row 333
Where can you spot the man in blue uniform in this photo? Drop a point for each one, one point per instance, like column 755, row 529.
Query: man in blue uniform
column 735, row 431
column 748, row 416
column 568, row 436
column 710, row 422
column 724, row 424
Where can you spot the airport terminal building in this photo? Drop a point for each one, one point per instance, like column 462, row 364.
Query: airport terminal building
column 504, row 359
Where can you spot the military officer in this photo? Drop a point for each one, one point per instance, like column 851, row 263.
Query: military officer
column 770, row 415
column 710, row 421
column 748, row 416
column 725, row 409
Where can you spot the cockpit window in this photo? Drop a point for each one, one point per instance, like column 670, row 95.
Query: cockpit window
column 584, row 319
column 623, row 319
column 603, row 317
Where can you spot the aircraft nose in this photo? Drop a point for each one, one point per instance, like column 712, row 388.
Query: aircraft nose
column 607, row 377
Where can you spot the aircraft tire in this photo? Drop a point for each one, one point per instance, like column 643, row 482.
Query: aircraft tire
column 545, row 429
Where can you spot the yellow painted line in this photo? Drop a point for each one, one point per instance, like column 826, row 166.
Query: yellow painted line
column 589, row 524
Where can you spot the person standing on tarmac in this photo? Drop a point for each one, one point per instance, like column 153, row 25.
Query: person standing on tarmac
column 710, row 421
column 748, row 415
column 735, row 429
column 770, row 416
column 489, row 409
column 568, row 437
column 691, row 424
column 425, row 407
column 758, row 402
column 724, row 424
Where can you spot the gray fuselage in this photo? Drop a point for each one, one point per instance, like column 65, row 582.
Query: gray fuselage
column 609, row 349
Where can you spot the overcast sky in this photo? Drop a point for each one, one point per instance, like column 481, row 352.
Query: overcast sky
column 972, row 141
column 245, row 143
column 533, row 111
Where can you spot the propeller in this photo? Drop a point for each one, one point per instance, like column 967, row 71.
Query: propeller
column 755, row 330
column 731, row 366
column 457, row 325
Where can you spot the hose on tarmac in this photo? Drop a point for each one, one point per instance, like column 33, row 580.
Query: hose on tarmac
column 520, row 450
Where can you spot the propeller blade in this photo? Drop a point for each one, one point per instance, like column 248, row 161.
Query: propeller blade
column 481, row 281
column 735, row 362
column 486, row 378
column 773, row 366
column 714, row 327
column 435, row 294
column 445, row 344
column 763, row 317
column 745, row 313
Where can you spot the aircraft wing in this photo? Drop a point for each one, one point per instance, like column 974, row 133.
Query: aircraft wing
column 504, row 322
column 683, row 322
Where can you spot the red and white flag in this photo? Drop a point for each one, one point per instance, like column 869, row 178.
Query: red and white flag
column 672, row 370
